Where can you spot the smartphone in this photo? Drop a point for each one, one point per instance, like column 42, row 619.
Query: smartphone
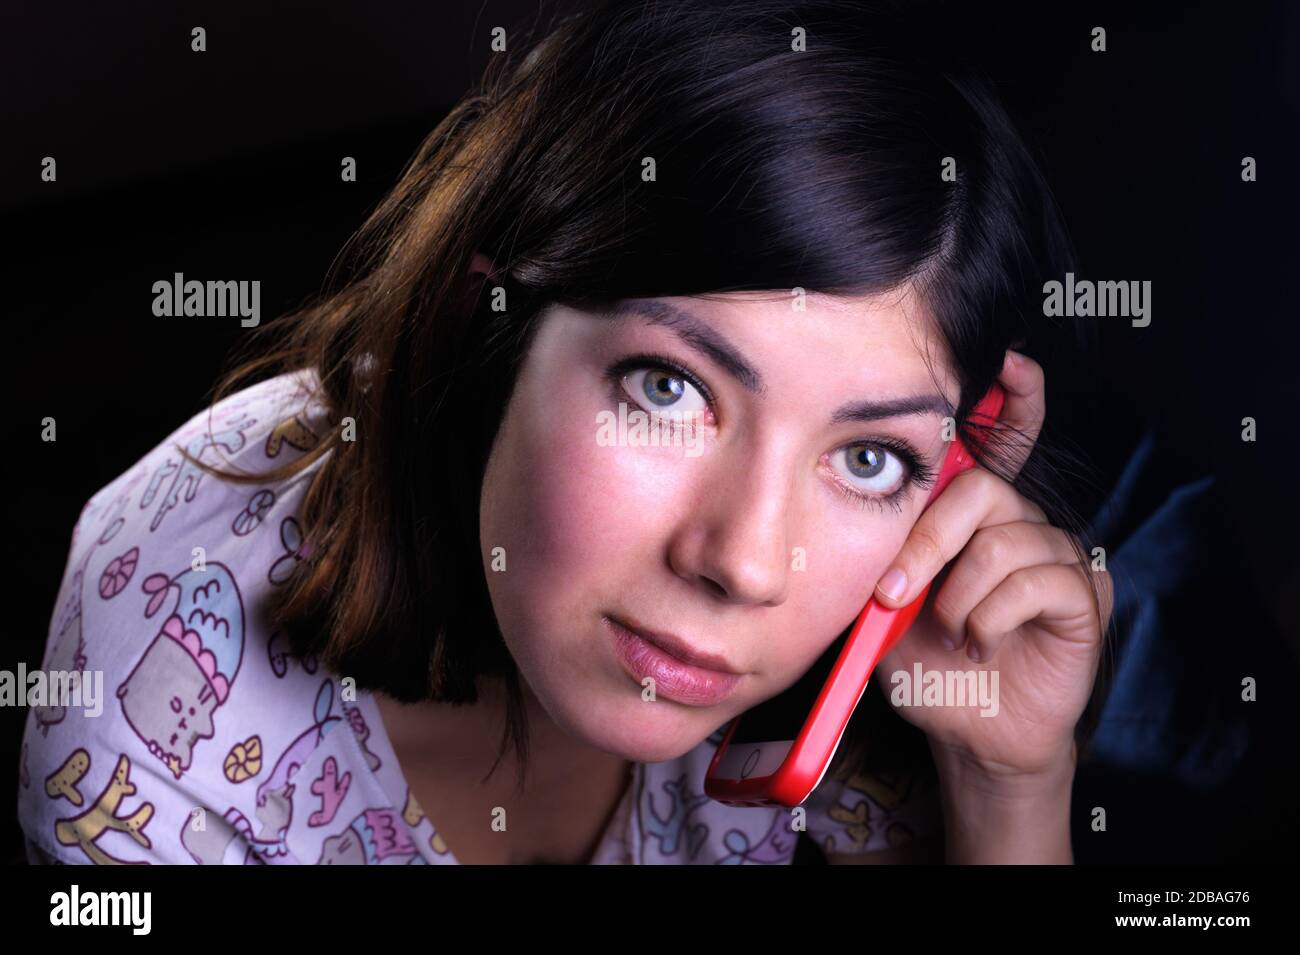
column 767, row 756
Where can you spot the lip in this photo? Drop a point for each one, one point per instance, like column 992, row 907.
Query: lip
column 679, row 673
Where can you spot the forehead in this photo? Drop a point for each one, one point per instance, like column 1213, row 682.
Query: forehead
column 884, row 344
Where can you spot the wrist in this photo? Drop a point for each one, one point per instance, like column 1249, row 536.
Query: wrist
column 993, row 814
column 993, row 781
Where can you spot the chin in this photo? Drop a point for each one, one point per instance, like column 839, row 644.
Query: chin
column 627, row 726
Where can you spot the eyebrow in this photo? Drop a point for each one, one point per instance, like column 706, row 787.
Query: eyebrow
column 708, row 341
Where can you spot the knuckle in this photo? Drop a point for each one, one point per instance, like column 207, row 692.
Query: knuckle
column 985, row 483
column 993, row 489
column 1029, row 583
column 992, row 548
column 927, row 544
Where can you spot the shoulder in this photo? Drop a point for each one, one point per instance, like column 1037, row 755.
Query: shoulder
column 164, row 495
column 178, row 684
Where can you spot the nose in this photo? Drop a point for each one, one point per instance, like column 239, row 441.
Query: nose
column 733, row 541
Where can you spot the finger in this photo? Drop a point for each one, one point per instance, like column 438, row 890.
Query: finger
column 992, row 554
column 1025, row 407
column 1106, row 591
column 975, row 498
column 1052, row 592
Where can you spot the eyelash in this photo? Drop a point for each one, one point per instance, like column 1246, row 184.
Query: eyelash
column 919, row 473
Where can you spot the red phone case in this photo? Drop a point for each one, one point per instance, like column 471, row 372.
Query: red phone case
column 874, row 634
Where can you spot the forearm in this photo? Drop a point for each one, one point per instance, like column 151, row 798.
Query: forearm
column 1005, row 820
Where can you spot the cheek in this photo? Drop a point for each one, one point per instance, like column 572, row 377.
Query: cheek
column 844, row 555
column 852, row 562
column 579, row 521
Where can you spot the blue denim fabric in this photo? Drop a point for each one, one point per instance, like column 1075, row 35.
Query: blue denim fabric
column 1170, row 711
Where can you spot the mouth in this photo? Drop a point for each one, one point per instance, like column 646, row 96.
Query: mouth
column 679, row 672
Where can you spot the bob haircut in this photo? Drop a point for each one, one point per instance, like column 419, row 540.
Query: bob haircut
column 776, row 166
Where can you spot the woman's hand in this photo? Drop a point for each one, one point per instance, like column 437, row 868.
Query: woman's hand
column 1016, row 601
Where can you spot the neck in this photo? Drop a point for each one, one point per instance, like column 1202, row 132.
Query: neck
column 462, row 739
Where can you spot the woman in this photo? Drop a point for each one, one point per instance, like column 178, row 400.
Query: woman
column 798, row 243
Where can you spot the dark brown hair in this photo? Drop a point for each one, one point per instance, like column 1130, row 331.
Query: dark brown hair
column 774, row 168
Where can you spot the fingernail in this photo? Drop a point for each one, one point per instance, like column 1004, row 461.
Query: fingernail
column 949, row 643
column 1012, row 360
column 973, row 652
column 893, row 584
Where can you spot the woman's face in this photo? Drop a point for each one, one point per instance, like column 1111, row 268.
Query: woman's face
column 755, row 536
